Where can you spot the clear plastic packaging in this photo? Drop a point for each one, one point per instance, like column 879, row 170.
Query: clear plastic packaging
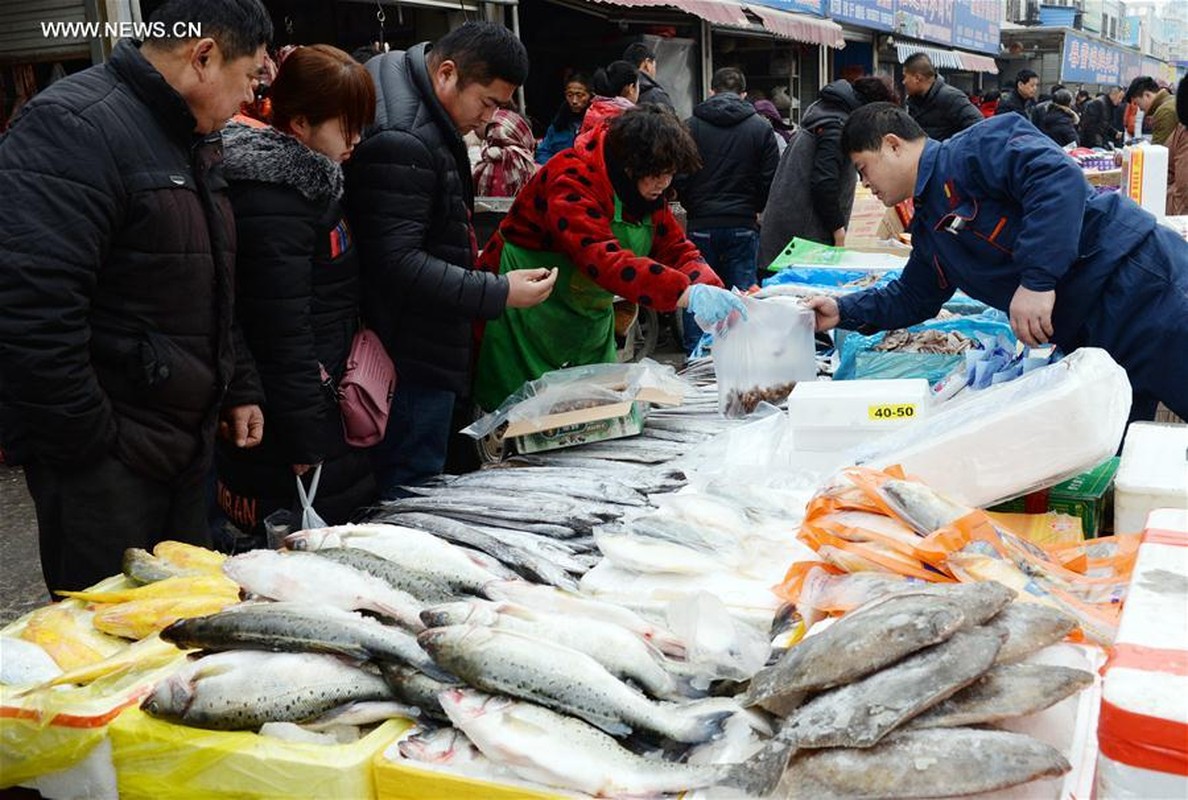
column 761, row 359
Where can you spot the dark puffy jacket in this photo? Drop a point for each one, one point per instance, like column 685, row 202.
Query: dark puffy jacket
column 652, row 92
column 1013, row 102
column 813, row 190
column 739, row 156
column 1060, row 124
column 410, row 198
column 1097, row 123
column 297, row 301
column 117, row 277
column 943, row 110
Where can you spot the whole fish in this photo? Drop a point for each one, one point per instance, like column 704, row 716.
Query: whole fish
column 418, row 689
column 552, row 480
column 523, row 508
column 556, row 551
column 920, row 506
column 624, row 654
column 543, row 672
column 189, row 556
column 243, row 689
column 190, row 585
column 299, row 628
column 305, row 577
column 518, row 519
column 540, row 745
column 647, row 554
column 1009, row 690
column 448, row 746
column 548, row 599
column 1029, row 627
column 68, row 635
column 924, row 763
column 860, row 713
column 425, row 588
column 136, row 619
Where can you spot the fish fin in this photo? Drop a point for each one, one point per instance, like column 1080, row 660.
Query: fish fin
column 759, row 775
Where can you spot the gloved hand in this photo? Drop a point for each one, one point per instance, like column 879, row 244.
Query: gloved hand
column 713, row 307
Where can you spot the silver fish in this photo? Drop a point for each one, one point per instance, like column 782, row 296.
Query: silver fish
column 925, row 763
column 1010, row 690
column 425, row 588
column 573, row 483
column 243, row 689
column 442, row 746
column 543, row 672
column 921, row 507
column 418, row 689
column 1029, row 627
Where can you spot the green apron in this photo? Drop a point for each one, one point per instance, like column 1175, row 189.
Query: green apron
column 573, row 327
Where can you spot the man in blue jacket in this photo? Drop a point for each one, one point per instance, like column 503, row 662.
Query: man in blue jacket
column 1004, row 215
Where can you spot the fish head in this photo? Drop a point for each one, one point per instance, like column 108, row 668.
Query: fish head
column 171, row 698
column 459, row 613
column 313, row 539
column 437, row 641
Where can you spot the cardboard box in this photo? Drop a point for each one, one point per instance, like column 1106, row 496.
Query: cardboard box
column 585, row 425
column 1088, row 496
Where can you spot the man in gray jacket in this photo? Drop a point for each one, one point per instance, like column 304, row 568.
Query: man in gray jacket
column 940, row 109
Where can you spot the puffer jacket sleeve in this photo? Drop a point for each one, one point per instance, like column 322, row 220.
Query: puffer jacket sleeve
column 392, row 197
column 61, row 200
column 825, row 179
column 277, row 232
column 961, row 110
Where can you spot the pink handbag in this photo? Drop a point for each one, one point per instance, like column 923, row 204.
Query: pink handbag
column 365, row 391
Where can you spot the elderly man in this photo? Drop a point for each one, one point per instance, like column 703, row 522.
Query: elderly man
column 1097, row 123
column 942, row 110
column 117, row 359
column 1021, row 98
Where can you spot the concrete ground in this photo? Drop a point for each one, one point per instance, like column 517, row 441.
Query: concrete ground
column 21, row 585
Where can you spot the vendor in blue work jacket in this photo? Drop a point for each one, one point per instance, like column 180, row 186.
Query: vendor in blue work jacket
column 1002, row 213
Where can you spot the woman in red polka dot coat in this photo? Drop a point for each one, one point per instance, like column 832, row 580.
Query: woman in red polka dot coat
column 597, row 213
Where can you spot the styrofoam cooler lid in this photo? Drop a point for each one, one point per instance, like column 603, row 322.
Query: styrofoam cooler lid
column 858, row 403
column 1155, row 459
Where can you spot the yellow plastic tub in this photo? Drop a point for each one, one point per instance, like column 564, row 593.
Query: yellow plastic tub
column 401, row 780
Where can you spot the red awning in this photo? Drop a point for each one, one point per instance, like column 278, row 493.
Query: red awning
column 800, row 27
column 977, row 63
column 716, row 12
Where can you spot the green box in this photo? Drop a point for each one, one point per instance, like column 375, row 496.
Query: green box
column 628, row 422
column 1088, row 496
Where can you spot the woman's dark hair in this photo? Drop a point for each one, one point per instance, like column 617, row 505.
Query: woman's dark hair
column 238, row 26
column 866, row 127
column 650, row 140
column 611, row 81
column 320, row 82
column 483, row 51
column 875, row 89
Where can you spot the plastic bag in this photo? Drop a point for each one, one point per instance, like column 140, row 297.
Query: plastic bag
column 761, row 358
column 309, row 517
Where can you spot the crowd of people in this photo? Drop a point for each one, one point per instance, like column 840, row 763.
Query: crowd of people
column 189, row 260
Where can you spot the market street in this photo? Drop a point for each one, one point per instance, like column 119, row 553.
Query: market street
column 21, row 586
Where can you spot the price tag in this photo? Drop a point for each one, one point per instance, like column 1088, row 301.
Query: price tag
column 889, row 411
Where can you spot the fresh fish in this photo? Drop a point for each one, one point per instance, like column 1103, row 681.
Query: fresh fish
column 547, row 599
column 669, row 527
column 530, row 511
column 520, row 519
column 189, row 556
column 922, row 508
column 647, row 479
column 1009, row 690
column 360, row 713
column 525, row 563
column 559, row 552
column 137, row 619
column 305, row 577
column 646, row 452
column 624, row 654
column 170, row 559
column 243, row 689
column 860, row 713
column 861, row 642
column 147, row 654
column 447, row 746
column 647, row 554
column 299, row 628
column 141, row 567
column 419, row 690
column 573, row 483
column 540, row 745
column 543, row 672
column 425, row 588
column 66, row 632
column 1029, row 627
column 979, row 601
column 925, row 763
column 188, row 585
column 25, row 662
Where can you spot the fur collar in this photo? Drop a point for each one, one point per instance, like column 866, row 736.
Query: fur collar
column 269, row 156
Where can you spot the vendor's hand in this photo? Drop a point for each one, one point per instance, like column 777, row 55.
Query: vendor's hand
column 826, row 314
column 712, row 306
column 243, row 425
column 528, row 287
column 839, row 237
column 1031, row 315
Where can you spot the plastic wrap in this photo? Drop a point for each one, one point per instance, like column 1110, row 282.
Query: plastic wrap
column 761, row 358
column 1013, row 438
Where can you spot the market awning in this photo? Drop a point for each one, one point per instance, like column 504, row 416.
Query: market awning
column 715, row 12
column 948, row 59
column 800, row 27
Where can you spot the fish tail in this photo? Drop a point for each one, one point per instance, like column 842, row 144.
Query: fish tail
column 703, row 726
column 759, row 775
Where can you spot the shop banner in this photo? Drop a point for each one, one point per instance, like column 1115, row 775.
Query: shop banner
column 1129, row 31
column 877, row 15
column 977, row 25
column 927, row 20
column 1087, row 61
column 1132, row 67
column 797, row 6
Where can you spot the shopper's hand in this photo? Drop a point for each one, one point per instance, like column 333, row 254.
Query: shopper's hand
column 528, row 287
column 839, row 237
column 1031, row 315
column 712, row 306
column 826, row 314
column 243, row 425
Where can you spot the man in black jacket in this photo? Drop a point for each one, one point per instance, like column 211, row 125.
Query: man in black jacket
column 410, row 200
column 1097, row 123
column 942, row 110
column 116, row 286
column 643, row 58
column 739, row 156
column 1021, row 98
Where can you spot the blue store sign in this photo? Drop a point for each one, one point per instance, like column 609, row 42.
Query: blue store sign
column 878, row 15
column 798, row 6
column 977, row 25
column 927, row 20
column 1087, row 61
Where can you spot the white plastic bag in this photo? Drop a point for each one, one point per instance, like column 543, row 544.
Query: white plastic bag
column 309, row 517
column 760, row 359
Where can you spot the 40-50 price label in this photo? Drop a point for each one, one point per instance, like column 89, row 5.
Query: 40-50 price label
column 889, row 411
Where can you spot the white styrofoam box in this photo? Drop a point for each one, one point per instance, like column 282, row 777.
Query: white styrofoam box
column 1153, row 473
column 829, row 416
column 1144, row 176
column 1143, row 727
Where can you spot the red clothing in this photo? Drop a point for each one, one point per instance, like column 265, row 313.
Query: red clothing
column 988, row 108
column 568, row 206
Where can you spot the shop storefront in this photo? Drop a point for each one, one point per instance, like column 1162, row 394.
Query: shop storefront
column 1076, row 59
column 961, row 39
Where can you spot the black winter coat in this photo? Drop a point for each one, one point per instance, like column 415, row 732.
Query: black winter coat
column 812, row 193
column 410, row 198
column 739, row 157
column 1060, row 124
column 1013, row 102
column 652, row 92
column 943, row 110
column 1097, row 123
column 117, row 277
column 297, row 301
